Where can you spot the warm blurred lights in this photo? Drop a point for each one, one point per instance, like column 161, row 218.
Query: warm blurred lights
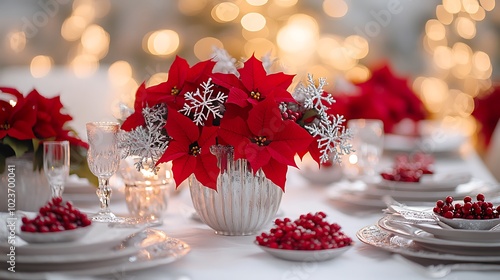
column 356, row 46
column 488, row 5
column 253, row 21
column 225, row 12
column 259, row 47
column 443, row 16
column 40, row 66
column 464, row 104
column 95, row 40
column 73, row 27
column 85, row 10
column 481, row 61
column 443, row 57
column 335, row 8
column 461, row 53
column 17, row 41
column 358, row 74
column 119, row 73
column 479, row 15
column 452, row 6
column 203, row 49
column 434, row 92
column 435, row 30
column 466, row 27
column 191, row 7
column 257, row 2
column 156, row 79
column 84, row 65
column 470, row 6
column 286, row 3
column 298, row 35
column 162, row 42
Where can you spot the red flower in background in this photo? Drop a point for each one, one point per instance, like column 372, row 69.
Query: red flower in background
column 487, row 114
column 384, row 96
column 16, row 121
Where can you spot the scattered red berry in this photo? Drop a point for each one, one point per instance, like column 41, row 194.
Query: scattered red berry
column 309, row 232
column 409, row 168
column 479, row 210
column 56, row 216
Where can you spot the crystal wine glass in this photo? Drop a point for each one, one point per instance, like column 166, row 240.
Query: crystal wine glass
column 104, row 159
column 56, row 165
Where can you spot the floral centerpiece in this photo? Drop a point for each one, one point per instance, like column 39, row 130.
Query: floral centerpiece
column 247, row 108
column 27, row 121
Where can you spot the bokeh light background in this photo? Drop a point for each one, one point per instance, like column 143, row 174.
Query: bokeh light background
column 448, row 49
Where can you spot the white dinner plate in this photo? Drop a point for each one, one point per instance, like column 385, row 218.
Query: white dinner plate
column 427, row 183
column 446, row 143
column 429, row 241
column 461, row 234
column 305, row 255
column 375, row 236
column 156, row 248
column 101, row 236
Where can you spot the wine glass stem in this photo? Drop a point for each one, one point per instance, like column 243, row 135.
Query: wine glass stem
column 104, row 194
column 57, row 190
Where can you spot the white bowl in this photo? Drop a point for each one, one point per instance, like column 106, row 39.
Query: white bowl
column 51, row 237
column 470, row 224
column 306, row 255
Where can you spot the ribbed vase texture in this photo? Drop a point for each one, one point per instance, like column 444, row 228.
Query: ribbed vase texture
column 243, row 203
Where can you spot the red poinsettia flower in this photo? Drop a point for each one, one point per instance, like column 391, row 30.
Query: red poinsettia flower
column 255, row 85
column 487, row 114
column 136, row 118
column 266, row 140
column 189, row 150
column 17, row 122
column 384, row 96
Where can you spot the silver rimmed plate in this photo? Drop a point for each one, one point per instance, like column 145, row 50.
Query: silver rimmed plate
column 429, row 241
column 304, row 255
column 375, row 236
column 428, row 183
column 485, row 236
column 55, row 237
column 155, row 248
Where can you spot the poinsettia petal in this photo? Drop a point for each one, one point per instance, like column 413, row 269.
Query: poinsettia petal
column 182, row 168
column 264, row 119
column 257, row 156
column 282, row 152
column 235, row 132
column 207, row 137
column 237, row 96
column 21, row 130
column 181, row 128
column 206, row 171
column 276, row 172
column 275, row 81
column 174, row 151
column 294, row 135
column 133, row 121
column 252, row 71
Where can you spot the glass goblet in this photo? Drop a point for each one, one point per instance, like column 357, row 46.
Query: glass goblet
column 103, row 157
column 56, row 165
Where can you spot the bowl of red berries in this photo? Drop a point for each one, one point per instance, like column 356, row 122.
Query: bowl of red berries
column 56, row 221
column 309, row 238
column 468, row 214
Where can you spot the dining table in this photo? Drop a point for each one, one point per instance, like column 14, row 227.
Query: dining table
column 214, row 256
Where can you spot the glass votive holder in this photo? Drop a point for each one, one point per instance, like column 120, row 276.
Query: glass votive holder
column 147, row 193
column 368, row 143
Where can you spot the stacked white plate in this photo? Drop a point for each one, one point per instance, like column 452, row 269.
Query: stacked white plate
column 426, row 192
column 105, row 250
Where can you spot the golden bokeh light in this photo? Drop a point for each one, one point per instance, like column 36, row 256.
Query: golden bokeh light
column 95, row 40
column 84, row 65
column 434, row 93
column 443, row 57
column 225, row 12
column 286, row 3
column 470, row 6
column 17, row 41
column 299, row 35
column 203, row 49
column 481, row 61
column 156, row 79
column 84, row 10
column 335, row 8
column 119, row 73
column 191, row 7
column 479, row 15
column 463, row 104
column 356, row 46
column 253, row 21
column 257, row 2
column 452, row 6
column 259, row 47
column 435, row 30
column 73, row 27
column 162, row 42
column 462, row 53
column 40, row 66
column 358, row 74
column 465, row 27
column 488, row 5
column 443, row 15
column 326, row 44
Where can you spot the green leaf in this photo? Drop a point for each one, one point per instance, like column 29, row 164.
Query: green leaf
column 2, row 164
column 20, row 147
column 83, row 171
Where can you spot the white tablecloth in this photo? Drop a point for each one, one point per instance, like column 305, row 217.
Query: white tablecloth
column 226, row 257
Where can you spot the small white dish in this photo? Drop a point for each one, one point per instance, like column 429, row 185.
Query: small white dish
column 470, row 224
column 52, row 237
column 306, row 255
